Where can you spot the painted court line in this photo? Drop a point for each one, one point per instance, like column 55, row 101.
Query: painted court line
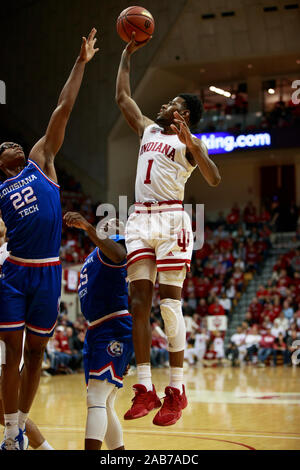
column 186, row 433
column 183, row 433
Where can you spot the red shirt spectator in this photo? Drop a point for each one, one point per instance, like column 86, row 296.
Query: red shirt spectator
column 208, row 270
column 269, row 313
column 262, row 292
column 267, row 340
column 250, row 213
column 202, row 287
column 62, row 340
column 233, row 218
column 265, row 216
column 205, row 251
column 284, row 280
column 209, row 355
column 276, row 310
column 260, row 246
column 238, row 276
column 226, row 244
column 216, row 309
column 251, row 255
column 202, row 309
column 255, row 309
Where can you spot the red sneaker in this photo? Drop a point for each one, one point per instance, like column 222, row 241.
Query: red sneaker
column 171, row 410
column 143, row 402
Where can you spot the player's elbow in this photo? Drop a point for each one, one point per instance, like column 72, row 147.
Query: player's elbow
column 63, row 110
column 119, row 98
column 215, row 181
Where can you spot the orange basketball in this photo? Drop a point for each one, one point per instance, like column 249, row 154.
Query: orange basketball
column 136, row 19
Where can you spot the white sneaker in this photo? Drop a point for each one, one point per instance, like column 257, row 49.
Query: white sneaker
column 18, row 443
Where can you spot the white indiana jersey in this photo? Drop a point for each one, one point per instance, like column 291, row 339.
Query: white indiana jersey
column 163, row 168
column 201, row 341
column 3, row 253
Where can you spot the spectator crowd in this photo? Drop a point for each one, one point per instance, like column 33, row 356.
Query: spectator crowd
column 64, row 353
column 233, row 117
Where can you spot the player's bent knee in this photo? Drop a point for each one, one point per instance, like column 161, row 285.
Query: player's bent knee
column 138, row 309
column 33, row 356
column 172, row 277
column 98, row 392
column 174, row 324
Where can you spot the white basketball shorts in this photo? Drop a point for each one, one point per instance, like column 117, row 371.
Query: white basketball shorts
column 161, row 232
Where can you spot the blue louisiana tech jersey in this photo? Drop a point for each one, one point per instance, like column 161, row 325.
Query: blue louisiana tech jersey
column 103, row 288
column 31, row 210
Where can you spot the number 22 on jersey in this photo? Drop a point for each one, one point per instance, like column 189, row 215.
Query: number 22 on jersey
column 25, row 197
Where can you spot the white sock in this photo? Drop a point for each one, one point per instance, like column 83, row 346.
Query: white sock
column 11, row 425
column 45, row 446
column 176, row 377
column 144, row 376
column 22, row 418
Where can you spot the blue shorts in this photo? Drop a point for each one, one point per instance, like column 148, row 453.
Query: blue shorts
column 29, row 296
column 106, row 357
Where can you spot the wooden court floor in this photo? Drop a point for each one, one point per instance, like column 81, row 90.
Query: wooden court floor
column 242, row 409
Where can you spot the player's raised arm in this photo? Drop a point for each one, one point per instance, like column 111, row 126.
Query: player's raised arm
column 48, row 146
column 111, row 249
column 127, row 105
column 197, row 151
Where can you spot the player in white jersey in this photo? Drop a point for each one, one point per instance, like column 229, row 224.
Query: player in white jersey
column 159, row 236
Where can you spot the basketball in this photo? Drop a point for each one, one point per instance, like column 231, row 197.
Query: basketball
column 136, row 19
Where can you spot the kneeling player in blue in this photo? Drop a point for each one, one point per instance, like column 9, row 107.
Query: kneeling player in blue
column 30, row 282
column 108, row 345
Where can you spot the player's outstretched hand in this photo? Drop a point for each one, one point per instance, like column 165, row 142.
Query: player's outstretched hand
column 74, row 219
column 88, row 50
column 133, row 45
column 182, row 130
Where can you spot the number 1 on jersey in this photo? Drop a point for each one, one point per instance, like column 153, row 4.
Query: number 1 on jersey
column 148, row 180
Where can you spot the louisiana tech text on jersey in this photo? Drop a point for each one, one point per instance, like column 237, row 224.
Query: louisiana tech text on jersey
column 17, row 185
